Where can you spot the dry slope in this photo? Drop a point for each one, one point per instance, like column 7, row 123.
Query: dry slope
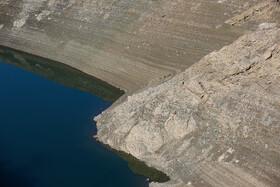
column 216, row 124
column 129, row 44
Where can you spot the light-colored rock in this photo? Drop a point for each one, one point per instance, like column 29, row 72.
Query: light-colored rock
column 215, row 124
column 149, row 137
column 19, row 23
column 259, row 11
column 43, row 14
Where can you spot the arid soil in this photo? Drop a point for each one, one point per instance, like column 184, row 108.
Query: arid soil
column 129, row 44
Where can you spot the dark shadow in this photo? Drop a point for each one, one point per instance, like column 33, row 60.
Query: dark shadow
column 13, row 177
column 60, row 73
column 140, row 167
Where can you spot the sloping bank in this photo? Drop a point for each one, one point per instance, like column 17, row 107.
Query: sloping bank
column 216, row 124
column 129, row 44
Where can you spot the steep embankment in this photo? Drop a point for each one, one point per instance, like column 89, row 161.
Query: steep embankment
column 129, row 44
column 216, row 124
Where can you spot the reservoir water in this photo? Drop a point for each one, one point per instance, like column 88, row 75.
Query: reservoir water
column 46, row 132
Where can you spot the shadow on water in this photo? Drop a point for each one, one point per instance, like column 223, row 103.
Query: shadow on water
column 71, row 77
column 13, row 177
column 140, row 167
column 60, row 73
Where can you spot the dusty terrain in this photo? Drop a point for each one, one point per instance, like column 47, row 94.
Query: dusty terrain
column 129, row 44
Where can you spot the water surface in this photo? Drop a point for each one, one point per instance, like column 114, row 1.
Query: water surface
column 46, row 136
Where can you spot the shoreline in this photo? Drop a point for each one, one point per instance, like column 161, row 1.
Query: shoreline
column 197, row 126
column 138, row 85
column 25, row 63
column 42, row 66
column 134, row 48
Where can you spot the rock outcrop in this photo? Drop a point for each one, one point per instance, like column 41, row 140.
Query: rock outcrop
column 215, row 124
column 129, row 44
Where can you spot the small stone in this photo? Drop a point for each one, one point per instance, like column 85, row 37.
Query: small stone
column 265, row 26
column 106, row 16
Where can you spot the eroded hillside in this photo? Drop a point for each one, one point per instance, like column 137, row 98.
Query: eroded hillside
column 130, row 44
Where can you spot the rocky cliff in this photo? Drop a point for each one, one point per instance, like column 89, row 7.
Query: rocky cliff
column 129, row 44
column 215, row 124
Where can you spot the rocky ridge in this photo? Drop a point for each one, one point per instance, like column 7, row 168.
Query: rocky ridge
column 215, row 124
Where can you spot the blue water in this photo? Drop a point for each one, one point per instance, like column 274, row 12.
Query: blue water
column 46, row 136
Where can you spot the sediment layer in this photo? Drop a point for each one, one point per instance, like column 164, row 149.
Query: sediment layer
column 129, row 44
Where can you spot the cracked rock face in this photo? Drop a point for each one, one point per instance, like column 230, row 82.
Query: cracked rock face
column 215, row 124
